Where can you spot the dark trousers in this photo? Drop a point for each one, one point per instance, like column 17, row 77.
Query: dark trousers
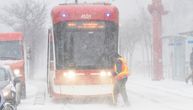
column 119, row 87
column 189, row 77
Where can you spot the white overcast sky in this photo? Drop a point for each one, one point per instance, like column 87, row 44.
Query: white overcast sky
column 179, row 19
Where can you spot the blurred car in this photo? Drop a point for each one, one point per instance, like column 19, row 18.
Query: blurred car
column 8, row 84
column 1, row 102
column 5, row 105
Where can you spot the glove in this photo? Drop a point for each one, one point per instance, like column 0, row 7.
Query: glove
column 114, row 74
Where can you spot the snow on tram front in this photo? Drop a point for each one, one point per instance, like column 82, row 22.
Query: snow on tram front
column 81, row 43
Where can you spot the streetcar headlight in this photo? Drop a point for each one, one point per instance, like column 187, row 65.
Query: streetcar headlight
column 6, row 91
column 109, row 74
column 70, row 74
column 102, row 73
column 17, row 73
column 105, row 73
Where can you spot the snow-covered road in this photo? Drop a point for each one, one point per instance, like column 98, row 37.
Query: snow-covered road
column 143, row 94
column 166, row 95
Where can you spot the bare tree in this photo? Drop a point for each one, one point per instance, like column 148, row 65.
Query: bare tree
column 136, row 32
column 146, row 42
column 130, row 36
column 28, row 17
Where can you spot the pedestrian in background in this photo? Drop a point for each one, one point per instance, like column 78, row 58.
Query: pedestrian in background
column 190, row 76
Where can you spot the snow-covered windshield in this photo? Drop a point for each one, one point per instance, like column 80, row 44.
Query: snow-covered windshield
column 10, row 50
column 84, row 48
column 3, row 75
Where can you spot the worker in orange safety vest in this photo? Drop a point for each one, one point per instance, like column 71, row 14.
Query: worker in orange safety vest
column 120, row 74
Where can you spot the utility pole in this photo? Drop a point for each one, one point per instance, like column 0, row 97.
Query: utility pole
column 157, row 11
column 76, row 1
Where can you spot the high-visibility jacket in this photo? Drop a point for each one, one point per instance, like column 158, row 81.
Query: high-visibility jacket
column 122, row 71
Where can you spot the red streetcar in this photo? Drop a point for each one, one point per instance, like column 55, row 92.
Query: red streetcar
column 81, row 43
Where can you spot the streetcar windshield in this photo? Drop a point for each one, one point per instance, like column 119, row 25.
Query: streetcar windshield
column 84, row 48
column 10, row 50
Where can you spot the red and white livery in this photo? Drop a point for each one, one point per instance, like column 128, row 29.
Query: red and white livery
column 80, row 47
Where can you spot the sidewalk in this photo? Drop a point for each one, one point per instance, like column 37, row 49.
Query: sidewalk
column 168, row 86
